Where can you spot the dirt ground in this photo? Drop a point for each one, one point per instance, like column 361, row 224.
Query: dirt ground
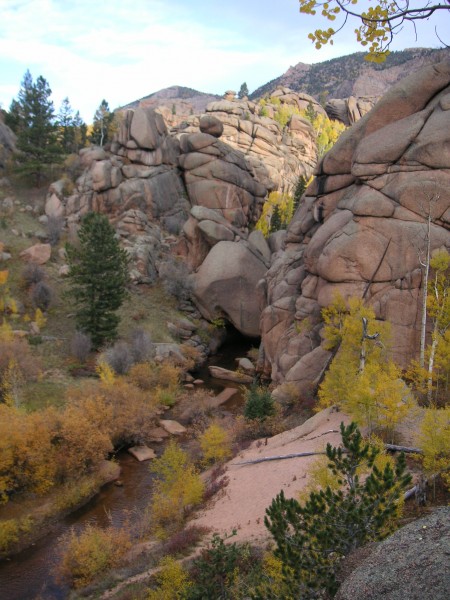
column 243, row 502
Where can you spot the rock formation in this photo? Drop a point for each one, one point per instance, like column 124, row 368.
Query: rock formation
column 7, row 144
column 349, row 110
column 277, row 156
column 412, row 563
column 360, row 226
column 190, row 194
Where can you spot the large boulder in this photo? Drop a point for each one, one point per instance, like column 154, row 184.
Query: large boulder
column 360, row 228
column 225, row 285
column 412, row 563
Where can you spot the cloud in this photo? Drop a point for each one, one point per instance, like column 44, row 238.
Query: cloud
column 122, row 51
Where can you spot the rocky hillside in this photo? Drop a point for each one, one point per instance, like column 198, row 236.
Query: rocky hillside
column 359, row 228
column 7, row 144
column 352, row 75
column 183, row 100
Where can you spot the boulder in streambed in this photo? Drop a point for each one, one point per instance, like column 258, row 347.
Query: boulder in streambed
column 142, row 453
column 220, row 373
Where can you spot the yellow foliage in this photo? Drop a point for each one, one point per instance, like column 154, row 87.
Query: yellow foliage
column 215, row 444
column 39, row 318
column 3, row 277
column 26, row 453
column 91, row 552
column 173, row 581
column 6, row 332
column 106, row 373
column 435, row 441
column 283, row 203
column 320, row 477
column 177, row 487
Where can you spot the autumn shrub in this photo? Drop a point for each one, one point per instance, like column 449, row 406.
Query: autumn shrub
column 186, row 539
column 26, row 453
column 92, row 552
column 134, row 412
column 216, row 482
column 178, row 487
column 10, row 531
column 173, row 582
column 435, row 442
column 18, row 351
column 215, row 443
column 42, row 295
column 82, row 433
column 80, row 346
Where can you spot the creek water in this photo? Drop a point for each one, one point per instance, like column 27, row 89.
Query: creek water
column 31, row 574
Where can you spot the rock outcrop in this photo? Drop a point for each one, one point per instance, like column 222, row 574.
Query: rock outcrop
column 412, row 563
column 276, row 155
column 7, row 144
column 195, row 192
column 351, row 109
column 360, row 226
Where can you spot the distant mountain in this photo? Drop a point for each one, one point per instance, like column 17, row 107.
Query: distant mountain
column 352, row 75
column 183, row 100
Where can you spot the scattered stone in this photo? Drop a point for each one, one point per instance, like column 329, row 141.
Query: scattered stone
column 225, row 395
column 157, row 434
column 246, row 365
column 189, row 386
column 198, row 382
column 39, row 254
column 142, row 453
column 172, row 427
column 63, row 271
column 34, row 328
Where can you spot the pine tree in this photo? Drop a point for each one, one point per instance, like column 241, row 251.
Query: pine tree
column 32, row 119
column 66, row 127
column 311, row 539
column 102, row 127
column 80, row 137
column 98, row 275
column 243, row 91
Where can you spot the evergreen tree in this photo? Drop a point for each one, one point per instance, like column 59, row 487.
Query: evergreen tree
column 80, row 138
column 32, row 119
column 66, row 127
column 311, row 539
column 243, row 91
column 102, row 127
column 300, row 187
column 98, row 275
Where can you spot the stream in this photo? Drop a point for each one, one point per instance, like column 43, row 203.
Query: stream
column 30, row 575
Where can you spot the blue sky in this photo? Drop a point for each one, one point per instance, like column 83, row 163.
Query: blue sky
column 94, row 49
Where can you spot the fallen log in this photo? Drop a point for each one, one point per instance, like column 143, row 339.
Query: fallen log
column 406, row 449
column 391, row 447
column 279, row 457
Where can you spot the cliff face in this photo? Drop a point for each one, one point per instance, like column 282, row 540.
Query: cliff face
column 194, row 192
column 360, row 227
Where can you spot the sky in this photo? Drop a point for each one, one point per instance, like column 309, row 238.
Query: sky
column 88, row 50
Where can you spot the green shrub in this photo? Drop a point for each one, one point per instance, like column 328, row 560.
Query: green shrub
column 259, row 403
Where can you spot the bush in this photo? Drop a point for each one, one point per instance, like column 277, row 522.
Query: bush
column 42, row 296
column 32, row 274
column 119, row 358
column 91, row 552
column 175, row 277
column 218, row 567
column 184, row 540
column 259, row 403
column 178, row 487
column 80, row 346
column 215, row 444
column 54, row 229
column 141, row 346
column 173, row 581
